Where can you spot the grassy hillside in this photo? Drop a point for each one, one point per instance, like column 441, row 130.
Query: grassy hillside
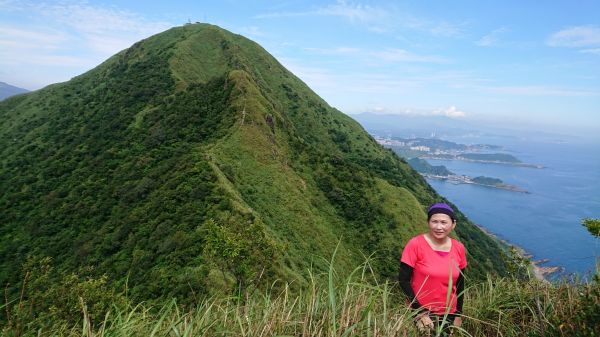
column 194, row 162
column 332, row 304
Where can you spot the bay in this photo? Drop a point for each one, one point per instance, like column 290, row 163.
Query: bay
column 547, row 221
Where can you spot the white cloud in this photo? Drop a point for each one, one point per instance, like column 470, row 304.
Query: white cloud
column 451, row 112
column 9, row 5
column 32, row 37
column 346, row 88
column 377, row 19
column 315, row 77
column 335, row 51
column 106, row 44
column 72, row 35
column 353, row 12
column 492, row 39
column 376, row 85
column 93, row 19
column 325, row 82
column 432, row 27
column 576, row 37
column 486, row 41
column 36, row 46
column 388, row 54
column 252, row 31
column 47, row 60
column 401, row 55
column 104, row 29
column 595, row 51
column 539, row 90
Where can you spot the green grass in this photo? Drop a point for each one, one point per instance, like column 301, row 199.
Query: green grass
column 593, row 226
column 334, row 304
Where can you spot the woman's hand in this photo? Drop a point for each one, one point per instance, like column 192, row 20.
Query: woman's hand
column 457, row 323
column 424, row 322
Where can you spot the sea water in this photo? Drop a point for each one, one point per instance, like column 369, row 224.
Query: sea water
column 546, row 223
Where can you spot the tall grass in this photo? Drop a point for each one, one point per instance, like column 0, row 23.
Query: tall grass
column 350, row 305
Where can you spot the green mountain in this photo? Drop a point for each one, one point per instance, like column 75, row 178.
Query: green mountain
column 422, row 166
column 194, row 161
column 7, row 90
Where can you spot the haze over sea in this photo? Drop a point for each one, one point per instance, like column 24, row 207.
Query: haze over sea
column 546, row 222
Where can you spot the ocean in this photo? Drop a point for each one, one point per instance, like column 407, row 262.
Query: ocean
column 546, row 223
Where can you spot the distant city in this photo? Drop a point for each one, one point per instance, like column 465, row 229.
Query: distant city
column 416, row 150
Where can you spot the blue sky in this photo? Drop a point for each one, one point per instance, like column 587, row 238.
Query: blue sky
column 525, row 63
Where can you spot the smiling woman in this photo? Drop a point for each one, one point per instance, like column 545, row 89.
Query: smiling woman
column 431, row 270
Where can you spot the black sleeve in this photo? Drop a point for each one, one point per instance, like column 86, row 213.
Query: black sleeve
column 460, row 288
column 404, row 278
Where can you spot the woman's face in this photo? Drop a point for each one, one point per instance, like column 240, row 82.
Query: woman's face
column 440, row 226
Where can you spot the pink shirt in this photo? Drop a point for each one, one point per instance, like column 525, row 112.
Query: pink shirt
column 431, row 273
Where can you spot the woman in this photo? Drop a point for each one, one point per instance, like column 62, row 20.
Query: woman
column 428, row 263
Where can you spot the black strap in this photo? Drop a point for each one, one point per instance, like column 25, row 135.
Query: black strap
column 404, row 278
column 460, row 289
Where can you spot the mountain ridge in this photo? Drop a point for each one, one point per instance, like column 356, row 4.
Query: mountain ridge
column 195, row 160
column 7, row 90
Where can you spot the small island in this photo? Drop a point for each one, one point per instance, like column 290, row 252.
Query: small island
column 440, row 172
column 416, row 149
column 432, row 148
column 485, row 158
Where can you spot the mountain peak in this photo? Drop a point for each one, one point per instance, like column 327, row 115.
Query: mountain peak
column 7, row 90
column 194, row 159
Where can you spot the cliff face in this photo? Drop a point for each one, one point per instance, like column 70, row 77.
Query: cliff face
column 195, row 160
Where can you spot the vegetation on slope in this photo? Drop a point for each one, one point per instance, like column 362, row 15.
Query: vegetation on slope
column 422, row 166
column 194, row 163
column 333, row 304
column 593, row 226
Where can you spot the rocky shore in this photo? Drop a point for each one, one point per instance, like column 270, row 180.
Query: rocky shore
column 480, row 161
column 461, row 179
column 539, row 272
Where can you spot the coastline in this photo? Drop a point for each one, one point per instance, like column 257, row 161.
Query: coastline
column 541, row 273
column 499, row 162
column 456, row 179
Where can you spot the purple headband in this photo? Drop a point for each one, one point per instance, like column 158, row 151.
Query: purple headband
column 440, row 208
